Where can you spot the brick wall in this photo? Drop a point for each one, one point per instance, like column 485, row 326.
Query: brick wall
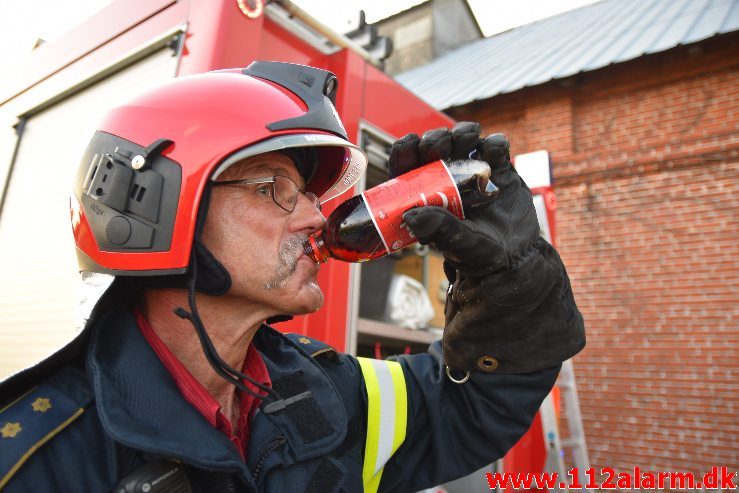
column 646, row 165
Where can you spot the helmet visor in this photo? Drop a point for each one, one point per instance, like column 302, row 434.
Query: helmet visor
column 339, row 163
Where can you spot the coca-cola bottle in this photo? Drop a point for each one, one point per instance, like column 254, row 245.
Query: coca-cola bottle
column 370, row 225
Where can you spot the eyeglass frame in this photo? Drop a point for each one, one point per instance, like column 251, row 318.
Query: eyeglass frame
column 273, row 179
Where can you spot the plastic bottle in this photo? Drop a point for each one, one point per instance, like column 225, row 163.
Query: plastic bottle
column 370, row 225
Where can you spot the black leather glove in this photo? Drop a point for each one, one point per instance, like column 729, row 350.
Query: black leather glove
column 511, row 308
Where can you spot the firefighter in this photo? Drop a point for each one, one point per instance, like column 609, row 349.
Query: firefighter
column 198, row 197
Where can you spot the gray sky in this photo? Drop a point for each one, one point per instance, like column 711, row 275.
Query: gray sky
column 24, row 21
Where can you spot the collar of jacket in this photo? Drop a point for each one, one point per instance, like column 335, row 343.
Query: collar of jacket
column 314, row 426
column 140, row 406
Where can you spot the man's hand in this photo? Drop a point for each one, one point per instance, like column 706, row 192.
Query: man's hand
column 511, row 309
column 493, row 237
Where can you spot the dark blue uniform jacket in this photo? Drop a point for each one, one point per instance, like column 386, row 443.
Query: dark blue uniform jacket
column 104, row 407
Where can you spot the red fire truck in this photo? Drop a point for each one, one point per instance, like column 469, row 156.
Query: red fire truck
column 49, row 109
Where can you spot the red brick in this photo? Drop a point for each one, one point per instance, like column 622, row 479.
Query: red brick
column 646, row 164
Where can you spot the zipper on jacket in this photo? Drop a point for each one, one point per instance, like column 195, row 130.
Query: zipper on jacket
column 273, row 445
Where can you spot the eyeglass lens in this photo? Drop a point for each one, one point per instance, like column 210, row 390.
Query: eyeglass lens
column 286, row 194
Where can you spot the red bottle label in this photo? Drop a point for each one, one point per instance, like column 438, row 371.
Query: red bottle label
column 429, row 185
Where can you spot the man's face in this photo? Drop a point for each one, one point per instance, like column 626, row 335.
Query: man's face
column 261, row 244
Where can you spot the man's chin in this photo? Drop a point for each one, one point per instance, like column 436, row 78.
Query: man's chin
column 308, row 300
column 315, row 298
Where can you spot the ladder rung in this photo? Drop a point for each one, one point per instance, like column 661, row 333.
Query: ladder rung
column 571, row 443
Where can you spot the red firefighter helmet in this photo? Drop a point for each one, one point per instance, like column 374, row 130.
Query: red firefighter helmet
column 141, row 181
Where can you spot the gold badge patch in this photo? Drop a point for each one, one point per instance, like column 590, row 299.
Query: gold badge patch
column 10, row 430
column 42, row 404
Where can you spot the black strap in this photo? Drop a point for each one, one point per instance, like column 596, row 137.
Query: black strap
column 326, row 479
column 311, row 422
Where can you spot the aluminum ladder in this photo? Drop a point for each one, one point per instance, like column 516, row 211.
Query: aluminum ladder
column 575, row 443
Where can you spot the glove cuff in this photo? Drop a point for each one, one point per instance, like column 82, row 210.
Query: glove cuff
column 516, row 321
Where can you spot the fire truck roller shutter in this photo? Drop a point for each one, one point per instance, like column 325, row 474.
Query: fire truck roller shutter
column 39, row 294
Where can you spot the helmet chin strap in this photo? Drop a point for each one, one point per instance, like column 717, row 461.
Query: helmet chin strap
column 226, row 371
column 223, row 369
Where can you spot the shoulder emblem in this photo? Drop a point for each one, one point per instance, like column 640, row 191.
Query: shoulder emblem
column 29, row 422
column 313, row 347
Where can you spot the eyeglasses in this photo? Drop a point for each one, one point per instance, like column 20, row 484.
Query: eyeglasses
column 283, row 190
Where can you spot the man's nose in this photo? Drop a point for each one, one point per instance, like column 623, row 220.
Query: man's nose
column 310, row 217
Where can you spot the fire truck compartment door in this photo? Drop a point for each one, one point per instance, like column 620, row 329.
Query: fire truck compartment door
column 40, row 288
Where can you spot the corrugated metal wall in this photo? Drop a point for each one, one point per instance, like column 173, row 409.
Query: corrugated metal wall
column 581, row 40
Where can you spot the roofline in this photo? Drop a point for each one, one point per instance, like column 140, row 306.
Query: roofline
column 409, row 9
column 461, row 107
column 426, row 81
column 426, row 2
column 474, row 18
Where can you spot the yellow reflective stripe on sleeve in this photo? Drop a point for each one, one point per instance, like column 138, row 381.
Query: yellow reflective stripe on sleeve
column 373, row 420
column 401, row 403
column 387, row 416
column 373, row 425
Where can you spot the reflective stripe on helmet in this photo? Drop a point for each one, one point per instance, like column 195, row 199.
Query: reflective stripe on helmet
column 387, row 416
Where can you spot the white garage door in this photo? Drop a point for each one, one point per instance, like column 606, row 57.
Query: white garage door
column 40, row 284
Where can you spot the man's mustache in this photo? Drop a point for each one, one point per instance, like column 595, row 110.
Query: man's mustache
column 290, row 252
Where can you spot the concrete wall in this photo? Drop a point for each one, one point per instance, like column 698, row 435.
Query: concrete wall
column 412, row 34
column 427, row 31
column 646, row 165
column 453, row 26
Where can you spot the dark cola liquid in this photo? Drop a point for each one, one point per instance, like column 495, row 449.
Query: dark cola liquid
column 354, row 230
column 350, row 235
